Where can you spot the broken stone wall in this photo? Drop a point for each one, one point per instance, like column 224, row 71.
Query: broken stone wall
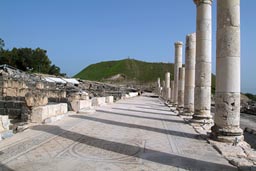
column 19, row 95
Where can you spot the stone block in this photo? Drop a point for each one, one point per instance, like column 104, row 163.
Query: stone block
column 2, row 111
column 11, row 92
column 133, row 94
column 34, row 99
column 80, row 104
column 98, row 101
column 40, row 113
column 109, row 99
column 4, row 123
column 13, row 113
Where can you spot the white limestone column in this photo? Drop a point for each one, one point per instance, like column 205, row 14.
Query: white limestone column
column 202, row 99
column 167, row 85
column 190, row 62
column 158, row 86
column 227, row 115
column 163, row 89
column 172, row 91
column 177, row 65
column 181, row 88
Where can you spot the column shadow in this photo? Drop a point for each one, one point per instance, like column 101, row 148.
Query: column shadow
column 147, row 128
column 147, row 112
column 158, row 109
column 144, row 153
column 143, row 117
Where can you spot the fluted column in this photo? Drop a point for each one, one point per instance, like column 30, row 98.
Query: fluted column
column 181, row 88
column 227, row 116
column 177, row 65
column 190, row 61
column 202, row 99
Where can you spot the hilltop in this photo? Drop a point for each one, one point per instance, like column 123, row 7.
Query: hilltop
column 127, row 70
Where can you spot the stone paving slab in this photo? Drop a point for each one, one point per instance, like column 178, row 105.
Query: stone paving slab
column 134, row 134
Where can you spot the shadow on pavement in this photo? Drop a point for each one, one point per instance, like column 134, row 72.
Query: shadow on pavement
column 250, row 139
column 144, row 153
column 146, row 112
column 147, row 128
column 143, row 117
column 158, row 109
column 5, row 168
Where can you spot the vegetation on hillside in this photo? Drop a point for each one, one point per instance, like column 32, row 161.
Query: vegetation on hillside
column 133, row 70
column 251, row 96
column 27, row 59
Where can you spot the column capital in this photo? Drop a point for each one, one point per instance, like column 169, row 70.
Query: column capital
column 198, row 2
column 178, row 43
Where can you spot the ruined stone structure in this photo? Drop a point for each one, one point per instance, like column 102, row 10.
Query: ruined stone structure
column 181, row 88
column 167, row 86
column 177, row 65
column 190, row 74
column 202, row 99
column 37, row 98
column 227, row 116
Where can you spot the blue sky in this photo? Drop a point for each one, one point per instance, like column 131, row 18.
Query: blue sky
column 81, row 32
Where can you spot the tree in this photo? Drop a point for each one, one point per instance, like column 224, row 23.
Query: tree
column 1, row 44
column 27, row 59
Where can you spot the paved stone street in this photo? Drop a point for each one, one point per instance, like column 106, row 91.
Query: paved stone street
column 134, row 134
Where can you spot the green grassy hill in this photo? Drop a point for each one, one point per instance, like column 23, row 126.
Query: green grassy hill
column 132, row 70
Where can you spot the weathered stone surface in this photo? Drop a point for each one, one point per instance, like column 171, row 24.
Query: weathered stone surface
column 4, row 123
column 80, row 104
column 181, row 88
column 172, row 91
column 109, row 99
column 177, row 65
column 98, row 101
column 39, row 114
column 34, row 99
column 227, row 116
column 190, row 74
column 202, row 98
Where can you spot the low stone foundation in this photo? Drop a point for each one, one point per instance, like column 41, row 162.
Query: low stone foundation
column 39, row 114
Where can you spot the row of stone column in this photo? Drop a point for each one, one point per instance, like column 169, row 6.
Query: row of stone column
column 190, row 91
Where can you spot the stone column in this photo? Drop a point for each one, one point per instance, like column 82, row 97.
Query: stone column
column 227, row 115
column 202, row 99
column 163, row 89
column 167, row 86
column 172, row 91
column 177, row 65
column 158, row 86
column 190, row 62
column 181, row 88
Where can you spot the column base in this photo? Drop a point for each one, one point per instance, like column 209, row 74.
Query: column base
column 229, row 135
column 180, row 110
column 187, row 112
column 202, row 119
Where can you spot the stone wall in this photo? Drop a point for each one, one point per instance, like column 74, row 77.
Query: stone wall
column 19, row 95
